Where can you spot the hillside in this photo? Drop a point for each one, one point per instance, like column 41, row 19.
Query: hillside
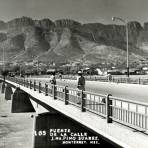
column 25, row 39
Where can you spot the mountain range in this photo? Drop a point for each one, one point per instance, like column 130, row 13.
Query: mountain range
column 24, row 39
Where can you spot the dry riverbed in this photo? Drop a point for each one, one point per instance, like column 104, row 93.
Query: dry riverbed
column 16, row 130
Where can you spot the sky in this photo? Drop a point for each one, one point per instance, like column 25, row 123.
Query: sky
column 84, row 11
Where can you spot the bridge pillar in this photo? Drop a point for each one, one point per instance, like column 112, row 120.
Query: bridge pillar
column 1, row 80
column 3, row 87
column 8, row 92
column 57, row 130
column 21, row 102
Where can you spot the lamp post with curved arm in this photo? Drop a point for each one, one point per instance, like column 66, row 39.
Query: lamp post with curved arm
column 3, row 57
column 126, row 26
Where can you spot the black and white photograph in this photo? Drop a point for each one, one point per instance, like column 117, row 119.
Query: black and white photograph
column 73, row 73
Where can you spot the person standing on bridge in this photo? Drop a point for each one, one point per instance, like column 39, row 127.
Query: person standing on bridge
column 109, row 77
column 81, row 81
column 53, row 79
column 60, row 76
column 80, row 85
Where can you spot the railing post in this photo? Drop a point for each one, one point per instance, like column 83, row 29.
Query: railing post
column 54, row 92
column 39, row 87
column 66, row 95
column 30, row 84
column 83, row 102
column 20, row 81
column 34, row 86
column 27, row 83
column 24, row 82
column 108, row 109
column 46, row 89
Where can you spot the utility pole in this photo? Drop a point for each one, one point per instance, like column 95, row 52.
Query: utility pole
column 127, row 49
column 3, row 59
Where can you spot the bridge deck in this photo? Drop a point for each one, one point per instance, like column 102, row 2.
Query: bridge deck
column 124, row 136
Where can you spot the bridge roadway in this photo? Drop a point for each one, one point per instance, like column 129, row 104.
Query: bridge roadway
column 119, row 134
column 134, row 92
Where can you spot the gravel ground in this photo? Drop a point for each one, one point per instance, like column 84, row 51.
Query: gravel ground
column 15, row 129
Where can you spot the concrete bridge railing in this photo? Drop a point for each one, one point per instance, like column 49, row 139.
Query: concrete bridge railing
column 128, row 80
column 142, row 81
column 129, row 113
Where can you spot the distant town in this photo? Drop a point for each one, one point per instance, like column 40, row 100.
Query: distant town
column 36, row 67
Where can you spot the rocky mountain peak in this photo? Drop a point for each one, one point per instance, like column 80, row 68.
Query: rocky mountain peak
column 66, row 23
column 27, row 39
column 2, row 25
column 20, row 22
column 146, row 26
column 44, row 23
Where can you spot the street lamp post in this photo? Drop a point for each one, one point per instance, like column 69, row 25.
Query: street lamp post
column 3, row 59
column 126, row 26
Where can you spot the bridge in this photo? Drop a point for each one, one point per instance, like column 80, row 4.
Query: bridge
column 66, row 116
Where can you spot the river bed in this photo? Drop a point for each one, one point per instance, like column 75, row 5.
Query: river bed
column 16, row 129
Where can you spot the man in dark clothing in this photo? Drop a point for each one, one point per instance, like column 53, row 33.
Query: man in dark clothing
column 60, row 76
column 81, row 81
column 53, row 79
column 80, row 86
